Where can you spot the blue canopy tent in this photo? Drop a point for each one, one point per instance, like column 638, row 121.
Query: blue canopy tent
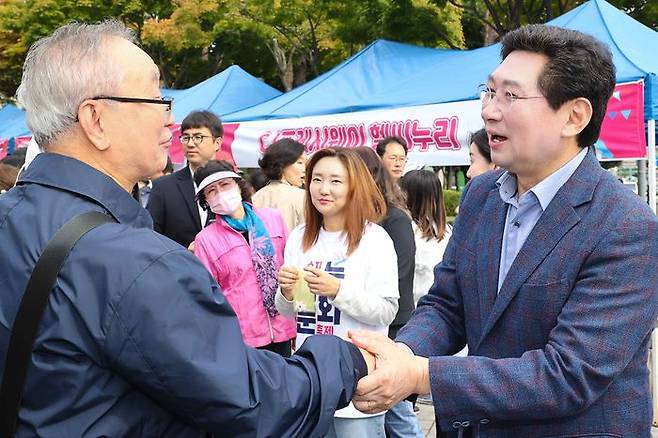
column 231, row 90
column 351, row 85
column 12, row 122
column 390, row 75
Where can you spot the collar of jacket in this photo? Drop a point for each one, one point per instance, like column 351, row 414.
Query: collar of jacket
column 66, row 173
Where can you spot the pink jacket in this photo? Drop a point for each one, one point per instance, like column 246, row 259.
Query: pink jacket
column 226, row 254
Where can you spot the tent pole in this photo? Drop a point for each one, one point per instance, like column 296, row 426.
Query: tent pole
column 651, row 157
column 642, row 179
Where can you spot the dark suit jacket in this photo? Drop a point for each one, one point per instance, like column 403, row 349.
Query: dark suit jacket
column 562, row 349
column 172, row 206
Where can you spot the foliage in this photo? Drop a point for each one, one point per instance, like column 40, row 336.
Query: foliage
column 284, row 42
column 306, row 37
column 497, row 17
column 25, row 21
column 644, row 11
column 451, row 201
column 501, row 16
column 419, row 22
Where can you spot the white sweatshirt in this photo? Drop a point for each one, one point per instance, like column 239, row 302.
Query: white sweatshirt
column 429, row 253
column 368, row 295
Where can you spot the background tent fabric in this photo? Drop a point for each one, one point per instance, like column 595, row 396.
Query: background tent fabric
column 390, row 75
column 377, row 70
column 12, row 122
column 397, row 77
column 228, row 91
column 231, row 90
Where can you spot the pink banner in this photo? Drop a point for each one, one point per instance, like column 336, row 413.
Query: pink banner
column 4, row 145
column 622, row 133
column 21, row 142
column 177, row 154
column 436, row 134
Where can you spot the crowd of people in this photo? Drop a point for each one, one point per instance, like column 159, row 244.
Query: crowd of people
column 320, row 294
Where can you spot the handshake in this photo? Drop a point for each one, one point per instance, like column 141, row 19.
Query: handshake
column 394, row 372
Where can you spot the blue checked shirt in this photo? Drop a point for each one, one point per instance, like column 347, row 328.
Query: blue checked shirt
column 523, row 212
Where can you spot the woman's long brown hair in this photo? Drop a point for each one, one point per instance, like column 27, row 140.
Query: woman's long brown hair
column 425, row 202
column 364, row 200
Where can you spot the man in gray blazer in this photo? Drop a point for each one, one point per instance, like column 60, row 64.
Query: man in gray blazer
column 551, row 274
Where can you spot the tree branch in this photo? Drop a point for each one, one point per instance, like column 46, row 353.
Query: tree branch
column 474, row 12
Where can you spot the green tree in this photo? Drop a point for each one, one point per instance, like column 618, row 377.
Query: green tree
column 644, row 11
column 180, row 43
column 488, row 20
column 25, row 21
column 307, row 37
column 419, row 22
column 294, row 32
column 499, row 17
column 201, row 38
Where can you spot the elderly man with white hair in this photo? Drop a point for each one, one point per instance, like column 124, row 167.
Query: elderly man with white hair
column 136, row 338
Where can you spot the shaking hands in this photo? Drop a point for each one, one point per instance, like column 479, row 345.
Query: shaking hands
column 397, row 374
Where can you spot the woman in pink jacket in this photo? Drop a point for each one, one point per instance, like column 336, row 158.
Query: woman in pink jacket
column 243, row 250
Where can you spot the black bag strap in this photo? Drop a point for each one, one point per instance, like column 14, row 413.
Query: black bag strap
column 30, row 312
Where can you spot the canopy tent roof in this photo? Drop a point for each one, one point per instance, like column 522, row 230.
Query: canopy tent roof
column 387, row 74
column 12, row 122
column 231, row 90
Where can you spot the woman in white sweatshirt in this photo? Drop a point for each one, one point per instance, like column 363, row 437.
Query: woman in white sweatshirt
column 431, row 231
column 347, row 261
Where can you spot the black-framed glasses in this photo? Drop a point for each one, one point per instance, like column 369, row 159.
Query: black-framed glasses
column 165, row 100
column 196, row 138
column 505, row 100
column 396, row 159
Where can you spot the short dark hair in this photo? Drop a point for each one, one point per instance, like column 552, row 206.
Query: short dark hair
column 578, row 66
column 391, row 191
column 381, row 146
column 257, row 179
column 203, row 119
column 481, row 140
column 279, row 155
column 214, row 166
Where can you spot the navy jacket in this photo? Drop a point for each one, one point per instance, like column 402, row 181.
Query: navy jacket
column 561, row 350
column 173, row 208
column 137, row 338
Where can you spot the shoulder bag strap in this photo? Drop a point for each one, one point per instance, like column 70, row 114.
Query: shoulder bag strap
column 30, row 311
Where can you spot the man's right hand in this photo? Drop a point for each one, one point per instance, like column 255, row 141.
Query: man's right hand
column 369, row 358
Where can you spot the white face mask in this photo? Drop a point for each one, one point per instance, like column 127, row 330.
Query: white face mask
column 225, row 203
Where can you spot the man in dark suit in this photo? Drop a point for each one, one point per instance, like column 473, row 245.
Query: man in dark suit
column 550, row 277
column 171, row 202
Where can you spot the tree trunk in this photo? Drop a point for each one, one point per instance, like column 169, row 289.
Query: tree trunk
column 283, row 63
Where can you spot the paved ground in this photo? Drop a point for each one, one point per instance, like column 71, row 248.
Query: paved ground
column 426, row 418
column 427, row 424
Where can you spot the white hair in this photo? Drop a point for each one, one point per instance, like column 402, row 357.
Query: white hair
column 64, row 69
